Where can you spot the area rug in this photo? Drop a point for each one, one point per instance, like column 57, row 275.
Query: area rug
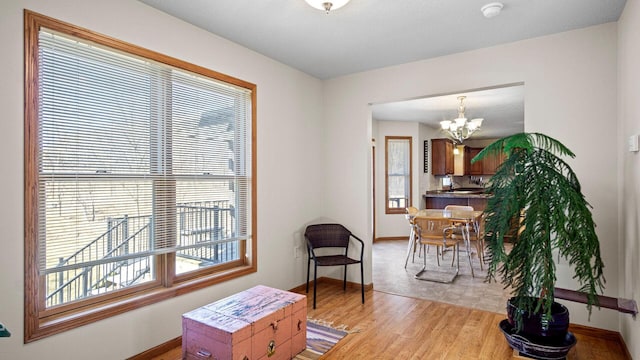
column 321, row 337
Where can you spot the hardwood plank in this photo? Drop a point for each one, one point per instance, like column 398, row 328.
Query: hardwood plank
column 397, row 327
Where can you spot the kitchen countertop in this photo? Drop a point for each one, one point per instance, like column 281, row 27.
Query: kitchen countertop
column 460, row 193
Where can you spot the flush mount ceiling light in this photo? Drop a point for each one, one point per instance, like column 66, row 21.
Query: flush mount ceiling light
column 460, row 129
column 327, row 5
column 492, row 9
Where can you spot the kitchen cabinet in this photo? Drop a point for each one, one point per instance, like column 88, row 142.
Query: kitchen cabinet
column 478, row 202
column 486, row 166
column 442, row 161
column 440, row 203
column 469, row 168
column 490, row 163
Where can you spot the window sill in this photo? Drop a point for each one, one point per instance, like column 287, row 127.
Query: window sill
column 80, row 316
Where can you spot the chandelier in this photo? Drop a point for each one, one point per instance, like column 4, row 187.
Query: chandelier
column 327, row 5
column 460, row 128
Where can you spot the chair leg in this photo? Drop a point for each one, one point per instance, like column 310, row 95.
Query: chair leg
column 481, row 246
column 410, row 248
column 479, row 242
column 457, row 252
column 424, row 265
column 424, row 261
column 469, row 257
column 480, row 251
column 454, row 256
column 467, row 242
column 362, row 279
column 308, row 266
column 344, row 282
column 315, row 282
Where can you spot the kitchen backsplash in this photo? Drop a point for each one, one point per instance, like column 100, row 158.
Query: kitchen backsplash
column 466, row 181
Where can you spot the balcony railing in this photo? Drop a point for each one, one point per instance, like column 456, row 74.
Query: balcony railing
column 109, row 262
column 210, row 222
column 89, row 270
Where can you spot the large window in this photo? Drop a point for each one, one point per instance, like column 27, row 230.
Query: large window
column 138, row 177
column 397, row 174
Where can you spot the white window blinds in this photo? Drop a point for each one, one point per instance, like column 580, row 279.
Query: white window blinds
column 135, row 157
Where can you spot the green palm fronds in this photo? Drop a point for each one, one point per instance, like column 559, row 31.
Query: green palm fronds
column 535, row 190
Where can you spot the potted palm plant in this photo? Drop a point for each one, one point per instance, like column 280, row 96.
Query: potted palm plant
column 536, row 193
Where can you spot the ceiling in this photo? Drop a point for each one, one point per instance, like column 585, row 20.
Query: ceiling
column 370, row 34
column 502, row 109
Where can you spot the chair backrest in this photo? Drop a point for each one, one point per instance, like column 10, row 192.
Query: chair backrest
column 411, row 213
column 459, row 207
column 433, row 227
column 327, row 235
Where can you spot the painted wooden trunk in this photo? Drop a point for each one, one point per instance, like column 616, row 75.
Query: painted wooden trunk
column 258, row 323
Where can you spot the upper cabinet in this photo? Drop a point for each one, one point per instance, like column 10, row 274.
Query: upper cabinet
column 442, row 156
column 443, row 160
column 491, row 163
column 469, row 168
column 486, row 166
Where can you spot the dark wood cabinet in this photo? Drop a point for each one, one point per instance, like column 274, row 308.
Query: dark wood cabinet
column 478, row 203
column 490, row 164
column 442, row 156
column 469, row 168
column 441, row 202
column 486, row 166
column 442, row 159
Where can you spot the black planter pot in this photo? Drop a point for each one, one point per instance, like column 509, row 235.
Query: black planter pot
column 536, row 328
column 534, row 350
column 538, row 337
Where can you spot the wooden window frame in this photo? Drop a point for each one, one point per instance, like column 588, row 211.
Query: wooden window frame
column 40, row 322
column 398, row 210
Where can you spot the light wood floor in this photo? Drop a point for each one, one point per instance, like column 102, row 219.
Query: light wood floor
column 398, row 327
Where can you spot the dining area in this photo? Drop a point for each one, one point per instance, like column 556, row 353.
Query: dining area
column 391, row 276
column 431, row 244
column 397, row 262
column 452, row 232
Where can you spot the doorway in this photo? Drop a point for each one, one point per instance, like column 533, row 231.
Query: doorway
column 502, row 108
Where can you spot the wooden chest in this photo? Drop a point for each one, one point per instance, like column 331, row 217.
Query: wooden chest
column 258, row 323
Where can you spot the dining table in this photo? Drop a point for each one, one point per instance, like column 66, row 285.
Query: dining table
column 462, row 218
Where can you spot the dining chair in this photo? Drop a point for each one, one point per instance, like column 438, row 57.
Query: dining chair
column 475, row 233
column 411, row 212
column 438, row 231
column 334, row 239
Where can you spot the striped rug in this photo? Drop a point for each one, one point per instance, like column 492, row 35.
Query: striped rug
column 320, row 339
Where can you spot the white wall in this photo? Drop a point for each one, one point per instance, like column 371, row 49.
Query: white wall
column 427, row 180
column 395, row 225
column 570, row 94
column 629, row 168
column 392, row 225
column 289, row 139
